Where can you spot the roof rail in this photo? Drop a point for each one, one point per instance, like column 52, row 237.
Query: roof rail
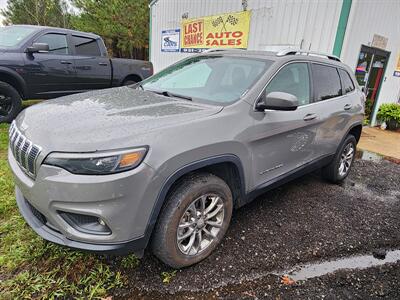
column 222, row 49
column 291, row 51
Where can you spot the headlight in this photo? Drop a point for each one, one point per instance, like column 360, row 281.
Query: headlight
column 99, row 163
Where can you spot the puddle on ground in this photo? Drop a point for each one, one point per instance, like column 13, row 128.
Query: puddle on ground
column 367, row 155
column 375, row 157
column 356, row 262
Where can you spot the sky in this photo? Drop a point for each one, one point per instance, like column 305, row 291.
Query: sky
column 3, row 4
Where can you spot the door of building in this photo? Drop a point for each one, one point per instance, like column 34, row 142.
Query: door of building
column 370, row 75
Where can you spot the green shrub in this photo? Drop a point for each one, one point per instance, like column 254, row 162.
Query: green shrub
column 389, row 112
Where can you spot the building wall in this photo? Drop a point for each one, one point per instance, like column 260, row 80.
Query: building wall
column 309, row 24
column 367, row 18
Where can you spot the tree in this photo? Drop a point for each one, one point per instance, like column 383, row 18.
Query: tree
column 124, row 25
column 37, row 12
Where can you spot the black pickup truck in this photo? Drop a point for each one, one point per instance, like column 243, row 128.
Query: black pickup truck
column 44, row 62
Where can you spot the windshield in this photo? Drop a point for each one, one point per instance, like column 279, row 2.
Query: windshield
column 218, row 79
column 13, row 35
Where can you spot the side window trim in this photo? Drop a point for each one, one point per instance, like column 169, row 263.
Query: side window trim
column 276, row 73
column 311, row 84
column 342, row 91
column 69, row 49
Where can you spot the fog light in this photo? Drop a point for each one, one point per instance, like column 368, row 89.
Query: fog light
column 86, row 223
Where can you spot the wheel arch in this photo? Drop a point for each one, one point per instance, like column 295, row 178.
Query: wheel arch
column 228, row 167
column 14, row 79
column 355, row 131
column 135, row 77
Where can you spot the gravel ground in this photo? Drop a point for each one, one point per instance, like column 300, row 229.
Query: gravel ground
column 307, row 220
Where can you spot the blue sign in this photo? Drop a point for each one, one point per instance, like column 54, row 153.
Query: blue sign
column 170, row 40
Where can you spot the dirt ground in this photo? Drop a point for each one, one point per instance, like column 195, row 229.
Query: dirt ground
column 307, row 220
column 384, row 142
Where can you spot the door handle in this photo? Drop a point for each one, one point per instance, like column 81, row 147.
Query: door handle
column 309, row 117
column 347, row 107
column 65, row 62
column 103, row 64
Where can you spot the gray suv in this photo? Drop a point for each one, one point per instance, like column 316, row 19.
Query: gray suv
column 164, row 162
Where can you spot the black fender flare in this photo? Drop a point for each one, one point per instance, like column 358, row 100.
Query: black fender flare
column 230, row 158
column 348, row 131
column 13, row 74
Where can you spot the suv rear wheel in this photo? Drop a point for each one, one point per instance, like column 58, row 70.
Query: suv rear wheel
column 10, row 102
column 340, row 166
column 194, row 220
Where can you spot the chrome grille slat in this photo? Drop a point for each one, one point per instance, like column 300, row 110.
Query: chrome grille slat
column 25, row 152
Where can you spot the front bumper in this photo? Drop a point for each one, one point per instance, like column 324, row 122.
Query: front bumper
column 124, row 201
column 136, row 246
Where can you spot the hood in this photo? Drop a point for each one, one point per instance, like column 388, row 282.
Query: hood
column 105, row 119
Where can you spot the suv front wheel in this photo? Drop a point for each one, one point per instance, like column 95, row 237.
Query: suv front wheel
column 340, row 166
column 193, row 221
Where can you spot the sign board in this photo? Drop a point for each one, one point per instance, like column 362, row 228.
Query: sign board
column 397, row 68
column 379, row 41
column 170, row 40
column 229, row 30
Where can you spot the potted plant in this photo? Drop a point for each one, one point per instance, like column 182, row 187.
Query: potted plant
column 390, row 113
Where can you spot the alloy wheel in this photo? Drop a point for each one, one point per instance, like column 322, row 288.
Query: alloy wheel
column 346, row 159
column 200, row 224
column 5, row 105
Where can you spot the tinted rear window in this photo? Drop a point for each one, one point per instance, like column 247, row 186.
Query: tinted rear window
column 85, row 46
column 347, row 83
column 326, row 82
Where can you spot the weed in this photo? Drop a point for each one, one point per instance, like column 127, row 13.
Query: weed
column 167, row 276
column 130, row 261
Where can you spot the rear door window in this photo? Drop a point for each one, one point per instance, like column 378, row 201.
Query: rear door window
column 347, row 83
column 326, row 82
column 86, row 46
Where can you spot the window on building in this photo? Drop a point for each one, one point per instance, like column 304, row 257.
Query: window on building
column 326, row 82
column 57, row 42
column 293, row 79
column 347, row 83
column 86, row 46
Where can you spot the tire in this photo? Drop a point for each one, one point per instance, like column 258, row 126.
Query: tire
column 179, row 210
column 10, row 102
column 334, row 171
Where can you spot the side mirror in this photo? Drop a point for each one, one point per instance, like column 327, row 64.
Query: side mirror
column 278, row 101
column 363, row 89
column 38, row 47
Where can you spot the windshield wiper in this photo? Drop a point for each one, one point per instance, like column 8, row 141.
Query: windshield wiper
column 169, row 94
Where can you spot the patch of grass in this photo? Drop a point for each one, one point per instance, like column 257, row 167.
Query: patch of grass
column 27, row 103
column 130, row 261
column 33, row 268
column 167, row 276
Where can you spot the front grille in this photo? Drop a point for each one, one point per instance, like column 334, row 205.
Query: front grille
column 25, row 152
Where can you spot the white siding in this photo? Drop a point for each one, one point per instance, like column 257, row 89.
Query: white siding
column 368, row 17
column 311, row 24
